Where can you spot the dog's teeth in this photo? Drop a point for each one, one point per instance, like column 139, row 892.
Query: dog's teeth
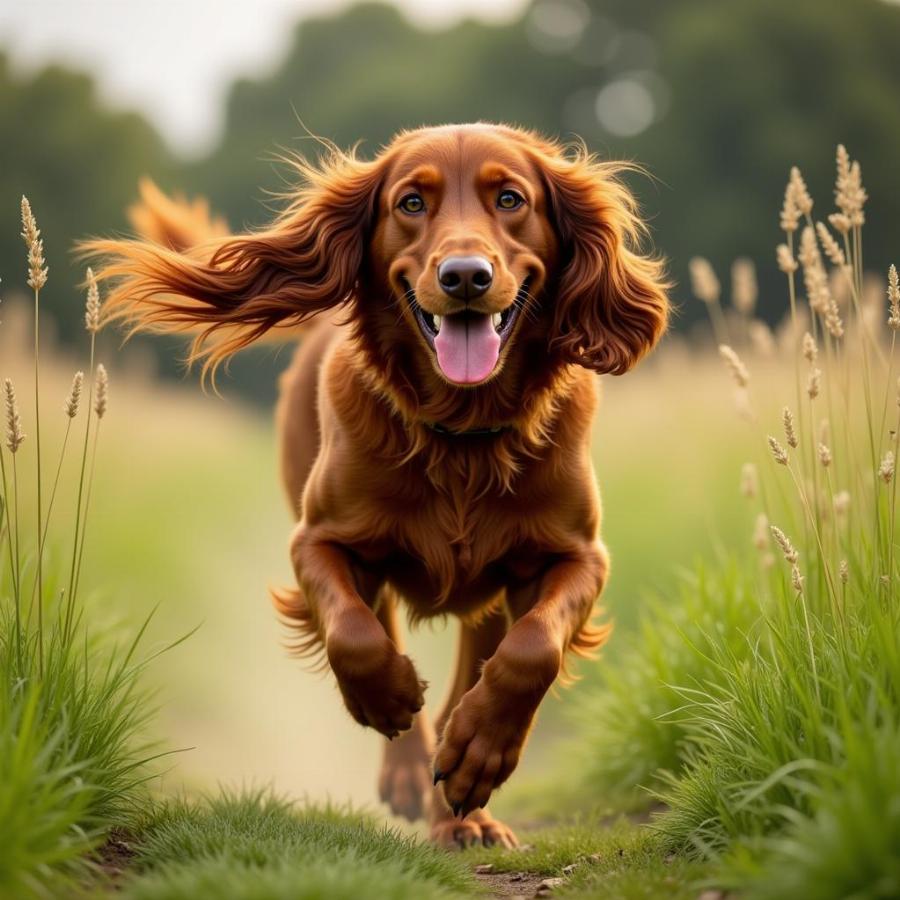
column 437, row 323
column 496, row 318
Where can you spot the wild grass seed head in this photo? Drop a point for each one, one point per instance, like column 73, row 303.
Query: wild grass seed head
column 74, row 397
column 101, row 391
column 841, row 503
column 790, row 435
column 893, row 293
column 735, row 365
column 761, row 337
column 824, row 455
column 802, row 197
column 761, row 533
column 790, row 211
column 797, row 579
column 31, row 234
column 744, row 287
column 785, row 259
column 787, row 548
column 14, row 434
column 830, row 245
column 749, row 481
column 704, row 282
column 849, row 194
column 92, row 304
column 810, row 349
column 814, row 383
column 778, row 451
column 844, row 570
column 886, row 469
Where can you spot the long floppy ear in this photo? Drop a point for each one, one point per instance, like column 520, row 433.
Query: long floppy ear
column 611, row 305
column 230, row 290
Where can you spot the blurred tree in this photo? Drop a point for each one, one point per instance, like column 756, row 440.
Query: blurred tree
column 78, row 164
column 718, row 100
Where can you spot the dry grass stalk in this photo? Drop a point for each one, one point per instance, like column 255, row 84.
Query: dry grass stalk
column 814, row 383
column 761, row 533
column 102, row 388
column 785, row 258
column 761, row 337
column 749, row 481
column 790, row 435
column 886, row 469
column 735, row 365
column 893, row 293
column 14, row 434
column 830, row 245
column 744, row 287
column 790, row 211
column 810, row 349
column 37, row 266
column 787, row 548
column 849, row 195
column 778, row 451
column 92, row 305
column 802, row 197
column 704, row 282
column 842, row 503
column 74, row 397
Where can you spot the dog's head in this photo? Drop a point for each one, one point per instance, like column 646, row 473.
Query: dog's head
column 463, row 246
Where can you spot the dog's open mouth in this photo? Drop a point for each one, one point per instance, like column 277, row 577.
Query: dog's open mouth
column 468, row 344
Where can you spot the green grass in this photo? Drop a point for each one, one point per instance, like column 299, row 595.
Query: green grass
column 761, row 704
column 264, row 848
column 72, row 708
column 599, row 858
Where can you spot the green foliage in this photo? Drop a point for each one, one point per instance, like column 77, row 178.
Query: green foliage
column 627, row 733
column 741, row 90
column 263, row 848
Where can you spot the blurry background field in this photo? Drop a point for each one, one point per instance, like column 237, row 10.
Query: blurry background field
column 717, row 100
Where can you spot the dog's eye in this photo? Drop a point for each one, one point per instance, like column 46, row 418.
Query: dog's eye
column 412, row 204
column 509, row 200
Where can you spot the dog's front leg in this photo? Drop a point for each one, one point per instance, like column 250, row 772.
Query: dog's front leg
column 484, row 737
column 380, row 686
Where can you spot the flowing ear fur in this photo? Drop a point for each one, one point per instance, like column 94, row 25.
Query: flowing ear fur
column 230, row 290
column 611, row 306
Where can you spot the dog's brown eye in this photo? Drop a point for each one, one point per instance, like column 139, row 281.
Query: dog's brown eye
column 510, row 200
column 412, row 203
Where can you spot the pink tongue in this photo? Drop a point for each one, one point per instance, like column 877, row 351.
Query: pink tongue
column 467, row 347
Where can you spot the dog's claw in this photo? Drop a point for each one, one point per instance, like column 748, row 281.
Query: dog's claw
column 456, row 808
column 438, row 776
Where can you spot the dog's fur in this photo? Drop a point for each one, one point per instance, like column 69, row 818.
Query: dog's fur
column 477, row 501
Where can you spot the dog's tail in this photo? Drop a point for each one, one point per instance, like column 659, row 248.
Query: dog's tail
column 173, row 222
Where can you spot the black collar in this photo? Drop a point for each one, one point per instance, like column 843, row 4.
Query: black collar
column 471, row 432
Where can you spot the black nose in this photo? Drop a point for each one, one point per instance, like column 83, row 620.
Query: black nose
column 465, row 277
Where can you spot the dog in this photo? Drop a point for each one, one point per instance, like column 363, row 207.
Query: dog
column 456, row 295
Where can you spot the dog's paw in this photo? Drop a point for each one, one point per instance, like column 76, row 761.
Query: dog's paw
column 479, row 828
column 481, row 746
column 405, row 779
column 380, row 686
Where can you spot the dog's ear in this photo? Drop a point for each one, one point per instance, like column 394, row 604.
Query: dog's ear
column 611, row 305
column 230, row 290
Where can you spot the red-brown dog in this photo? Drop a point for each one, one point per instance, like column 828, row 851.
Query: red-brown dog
column 435, row 421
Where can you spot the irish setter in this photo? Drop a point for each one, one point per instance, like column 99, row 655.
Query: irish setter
column 461, row 291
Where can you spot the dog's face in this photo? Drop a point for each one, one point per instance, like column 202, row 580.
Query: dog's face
column 478, row 241
column 463, row 236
